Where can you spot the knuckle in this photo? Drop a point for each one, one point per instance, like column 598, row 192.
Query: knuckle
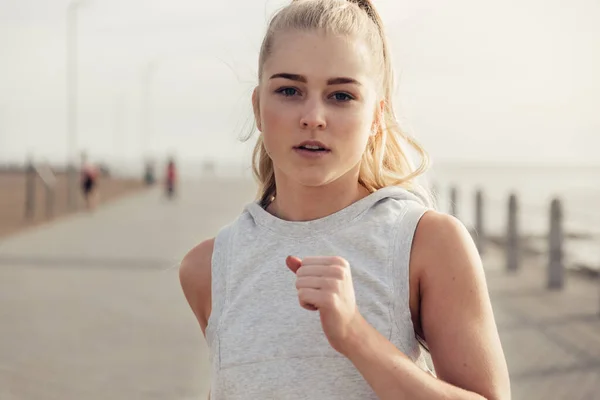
column 339, row 286
column 339, row 271
column 340, row 261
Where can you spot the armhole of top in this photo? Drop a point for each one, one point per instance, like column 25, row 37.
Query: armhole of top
column 406, row 225
column 218, row 285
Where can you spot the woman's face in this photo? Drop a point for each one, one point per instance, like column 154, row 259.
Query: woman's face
column 316, row 106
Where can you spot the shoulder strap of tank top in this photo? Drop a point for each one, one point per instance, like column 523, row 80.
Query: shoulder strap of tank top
column 403, row 239
column 405, row 228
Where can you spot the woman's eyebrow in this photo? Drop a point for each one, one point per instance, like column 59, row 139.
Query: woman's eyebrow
column 300, row 78
column 342, row 80
column 292, row 77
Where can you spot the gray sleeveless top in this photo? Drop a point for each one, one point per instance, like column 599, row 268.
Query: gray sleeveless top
column 263, row 345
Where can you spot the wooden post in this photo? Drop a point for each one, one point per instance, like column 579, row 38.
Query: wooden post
column 480, row 236
column 556, row 267
column 453, row 201
column 30, row 190
column 49, row 201
column 512, row 236
column 72, row 199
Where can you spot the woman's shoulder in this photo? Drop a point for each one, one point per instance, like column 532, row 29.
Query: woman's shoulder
column 199, row 257
column 451, row 241
column 195, row 277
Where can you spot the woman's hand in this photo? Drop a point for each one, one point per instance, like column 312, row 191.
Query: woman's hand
column 325, row 284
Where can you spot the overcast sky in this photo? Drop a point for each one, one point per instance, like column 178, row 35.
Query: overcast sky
column 494, row 81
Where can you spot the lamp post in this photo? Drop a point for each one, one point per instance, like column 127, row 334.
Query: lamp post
column 3, row 135
column 72, row 84
column 118, row 128
column 147, row 120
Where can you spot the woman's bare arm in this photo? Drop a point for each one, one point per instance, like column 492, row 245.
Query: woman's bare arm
column 195, row 277
column 455, row 311
column 457, row 322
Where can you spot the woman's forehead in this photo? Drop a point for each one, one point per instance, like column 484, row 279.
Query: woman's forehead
column 319, row 56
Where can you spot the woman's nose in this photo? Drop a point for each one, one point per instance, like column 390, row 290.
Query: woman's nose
column 313, row 116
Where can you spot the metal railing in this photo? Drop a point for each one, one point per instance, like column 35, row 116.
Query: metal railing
column 44, row 172
column 560, row 228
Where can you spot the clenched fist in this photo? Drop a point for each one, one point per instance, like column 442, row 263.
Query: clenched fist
column 325, row 284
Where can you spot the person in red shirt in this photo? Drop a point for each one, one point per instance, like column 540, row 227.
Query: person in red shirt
column 171, row 178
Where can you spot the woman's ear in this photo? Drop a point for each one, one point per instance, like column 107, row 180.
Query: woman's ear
column 256, row 109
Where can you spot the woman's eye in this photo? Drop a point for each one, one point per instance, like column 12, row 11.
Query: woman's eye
column 342, row 97
column 287, row 92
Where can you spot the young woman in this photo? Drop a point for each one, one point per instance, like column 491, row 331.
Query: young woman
column 323, row 287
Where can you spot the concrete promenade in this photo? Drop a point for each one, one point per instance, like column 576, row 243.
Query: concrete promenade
column 91, row 308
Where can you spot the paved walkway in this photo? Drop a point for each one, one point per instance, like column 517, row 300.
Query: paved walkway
column 91, row 308
column 551, row 338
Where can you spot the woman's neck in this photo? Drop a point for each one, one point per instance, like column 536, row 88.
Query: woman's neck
column 296, row 202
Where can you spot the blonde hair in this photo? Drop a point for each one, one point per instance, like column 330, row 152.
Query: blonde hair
column 384, row 162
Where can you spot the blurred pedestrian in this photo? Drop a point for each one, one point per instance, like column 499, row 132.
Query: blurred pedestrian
column 89, row 182
column 171, row 178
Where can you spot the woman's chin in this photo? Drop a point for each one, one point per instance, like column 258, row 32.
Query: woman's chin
column 314, row 178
